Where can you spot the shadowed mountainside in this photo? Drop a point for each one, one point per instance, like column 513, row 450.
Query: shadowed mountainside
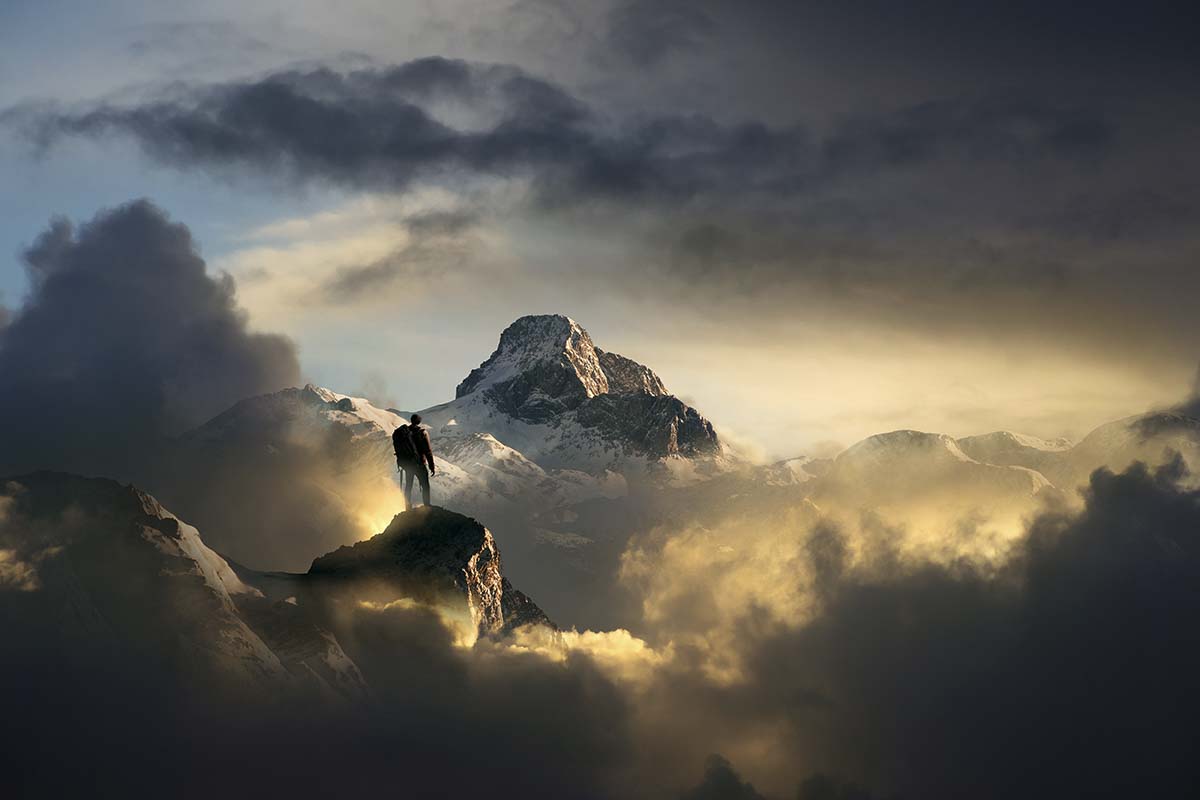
column 103, row 571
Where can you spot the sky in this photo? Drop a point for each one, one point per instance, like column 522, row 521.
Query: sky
column 815, row 221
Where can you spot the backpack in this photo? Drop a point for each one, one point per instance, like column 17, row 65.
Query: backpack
column 402, row 442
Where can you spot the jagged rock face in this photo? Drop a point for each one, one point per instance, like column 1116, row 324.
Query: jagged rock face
column 550, row 356
column 658, row 426
column 520, row 611
column 546, row 367
column 626, row 376
column 434, row 556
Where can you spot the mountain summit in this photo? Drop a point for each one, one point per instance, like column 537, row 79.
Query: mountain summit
column 548, row 364
column 550, row 393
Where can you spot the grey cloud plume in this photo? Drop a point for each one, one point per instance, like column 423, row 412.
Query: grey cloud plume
column 646, row 31
column 437, row 241
column 384, row 128
column 444, row 723
column 975, row 36
column 124, row 338
column 925, row 681
column 721, row 782
column 974, row 212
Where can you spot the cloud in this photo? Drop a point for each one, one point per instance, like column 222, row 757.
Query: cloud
column 648, row 32
column 444, row 720
column 923, row 680
column 436, row 242
column 721, row 782
column 995, row 212
column 388, row 128
column 123, row 339
column 979, row 39
column 826, row 215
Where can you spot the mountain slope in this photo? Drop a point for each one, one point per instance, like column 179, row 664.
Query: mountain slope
column 104, row 567
column 1152, row 437
column 905, row 460
column 550, row 393
column 1005, row 448
column 1149, row 437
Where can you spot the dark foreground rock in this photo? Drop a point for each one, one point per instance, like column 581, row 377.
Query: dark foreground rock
column 430, row 555
column 103, row 573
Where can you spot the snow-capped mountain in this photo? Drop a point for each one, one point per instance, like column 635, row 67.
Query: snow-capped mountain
column 927, row 483
column 1005, row 448
column 548, row 420
column 1150, row 438
column 903, row 460
column 549, row 393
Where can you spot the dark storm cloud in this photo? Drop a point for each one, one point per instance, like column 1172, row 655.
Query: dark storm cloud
column 973, row 36
column 647, row 31
column 1113, row 33
column 944, row 682
column 124, row 338
column 380, row 128
column 721, row 782
column 443, row 722
column 963, row 209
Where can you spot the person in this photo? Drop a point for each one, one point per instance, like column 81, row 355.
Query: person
column 414, row 458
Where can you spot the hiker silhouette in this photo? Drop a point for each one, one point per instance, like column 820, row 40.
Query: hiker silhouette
column 414, row 458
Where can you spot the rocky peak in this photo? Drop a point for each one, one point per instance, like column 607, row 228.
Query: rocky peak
column 438, row 557
column 626, row 376
column 550, row 351
column 545, row 365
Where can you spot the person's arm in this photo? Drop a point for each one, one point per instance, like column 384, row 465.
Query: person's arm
column 427, row 450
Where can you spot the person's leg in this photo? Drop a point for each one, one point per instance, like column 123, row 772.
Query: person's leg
column 423, row 476
column 408, row 482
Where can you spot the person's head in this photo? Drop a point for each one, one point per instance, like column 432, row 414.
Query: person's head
column 415, row 419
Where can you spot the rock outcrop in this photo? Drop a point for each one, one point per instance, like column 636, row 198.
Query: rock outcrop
column 102, row 570
column 433, row 556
